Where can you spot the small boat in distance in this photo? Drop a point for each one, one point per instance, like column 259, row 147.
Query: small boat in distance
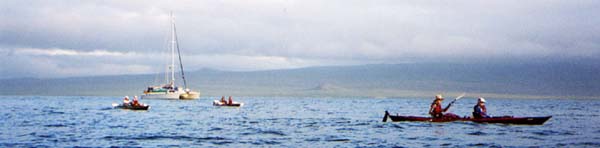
column 131, row 107
column 501, row 119
column 234, row 104
column 170, row 90
column 229, row 103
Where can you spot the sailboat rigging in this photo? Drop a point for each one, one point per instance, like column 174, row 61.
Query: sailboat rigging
column 170, row 90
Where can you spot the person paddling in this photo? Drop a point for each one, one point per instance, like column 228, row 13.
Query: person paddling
column 135, row 101
column 435, row 110
column 126, row 100
column 479, row 110
column 230, row 100
column 223, row 100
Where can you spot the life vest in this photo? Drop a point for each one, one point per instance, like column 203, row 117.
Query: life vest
column 483, row 109
column 437, row 109
column 479, row 111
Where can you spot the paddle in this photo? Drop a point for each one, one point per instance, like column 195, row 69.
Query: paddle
column 457, row 98
column 385, row 117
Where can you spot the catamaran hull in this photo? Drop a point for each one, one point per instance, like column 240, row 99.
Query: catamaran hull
column 170, row 96
column 189, row 96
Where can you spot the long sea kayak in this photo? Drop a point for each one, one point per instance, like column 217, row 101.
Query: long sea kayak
column 503, row 119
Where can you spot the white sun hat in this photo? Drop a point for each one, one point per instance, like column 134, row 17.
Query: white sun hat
column 481, row 99
column 439, row 96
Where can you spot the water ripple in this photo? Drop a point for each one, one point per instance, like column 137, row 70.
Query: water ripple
column 286, row 122
column 336, row 139
column 477, row 133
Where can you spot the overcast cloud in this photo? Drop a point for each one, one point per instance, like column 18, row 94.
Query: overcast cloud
column 79, row 38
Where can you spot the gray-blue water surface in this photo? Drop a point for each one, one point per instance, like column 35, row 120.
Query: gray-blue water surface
column 287, row 122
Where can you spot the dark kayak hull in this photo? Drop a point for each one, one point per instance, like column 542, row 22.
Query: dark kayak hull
column 143, row 107
column 398, row 118
column 513, row 120
column 234, row 104
column 503, row 120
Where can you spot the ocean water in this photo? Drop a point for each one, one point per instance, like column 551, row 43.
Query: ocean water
column 35, row 121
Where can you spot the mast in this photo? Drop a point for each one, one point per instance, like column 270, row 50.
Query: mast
column 172, row 66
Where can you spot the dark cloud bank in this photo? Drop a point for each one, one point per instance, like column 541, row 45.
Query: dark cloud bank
column 90, row 38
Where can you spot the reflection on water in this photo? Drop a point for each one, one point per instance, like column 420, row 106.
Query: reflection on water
column 294, row 122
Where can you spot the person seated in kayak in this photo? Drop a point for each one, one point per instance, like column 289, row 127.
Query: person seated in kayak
column 126, row 100
column 435, row 109
column 479, row 110
column 135, row 101
column 223, row 100
column 230, row 101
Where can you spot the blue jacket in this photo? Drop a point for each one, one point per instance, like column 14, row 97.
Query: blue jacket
column 479, row 112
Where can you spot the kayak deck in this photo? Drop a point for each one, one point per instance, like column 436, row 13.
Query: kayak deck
column 503, row 120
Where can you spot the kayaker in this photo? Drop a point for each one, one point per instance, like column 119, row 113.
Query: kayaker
column 135, row 101
column 230, row 100
column 126, row 100
column 479, row 110
column 435, row 109
column 223, row 100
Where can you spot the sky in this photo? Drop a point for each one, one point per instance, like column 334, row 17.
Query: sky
column 47, row 39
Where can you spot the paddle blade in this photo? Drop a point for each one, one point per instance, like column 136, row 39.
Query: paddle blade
column 385, row 117
column 460, row 96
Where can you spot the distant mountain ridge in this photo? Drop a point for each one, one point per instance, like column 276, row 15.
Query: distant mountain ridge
column 378, row 80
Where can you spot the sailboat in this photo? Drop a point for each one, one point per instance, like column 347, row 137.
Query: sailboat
column 170, row 90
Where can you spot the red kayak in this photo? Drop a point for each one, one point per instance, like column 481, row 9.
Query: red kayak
column 451, row 118
column 512, row 120
column 398, row 118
